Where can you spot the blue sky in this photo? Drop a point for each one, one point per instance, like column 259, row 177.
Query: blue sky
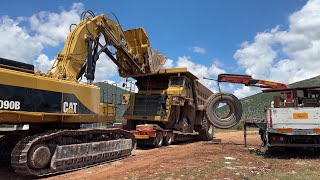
column 176, row 26
column 230, row 36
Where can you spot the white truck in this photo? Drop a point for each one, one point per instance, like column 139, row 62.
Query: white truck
column 294, row 121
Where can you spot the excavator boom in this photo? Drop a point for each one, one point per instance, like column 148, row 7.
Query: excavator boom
column 133, row 53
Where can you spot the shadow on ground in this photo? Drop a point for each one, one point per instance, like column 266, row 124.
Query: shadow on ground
column 289, row 153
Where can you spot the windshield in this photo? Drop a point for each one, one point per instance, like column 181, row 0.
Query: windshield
column 176, row 81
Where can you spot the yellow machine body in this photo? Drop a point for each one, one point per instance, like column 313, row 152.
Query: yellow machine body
column 47, row 100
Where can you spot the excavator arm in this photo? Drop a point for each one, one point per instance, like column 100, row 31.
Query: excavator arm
column 133, row 53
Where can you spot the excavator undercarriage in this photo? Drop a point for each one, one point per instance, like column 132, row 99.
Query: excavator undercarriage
column 66, row 150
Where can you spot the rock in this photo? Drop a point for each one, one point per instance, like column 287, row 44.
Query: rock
column 230, row 158
column 301, row 163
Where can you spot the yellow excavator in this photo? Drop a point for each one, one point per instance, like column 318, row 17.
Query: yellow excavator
column 57, row 102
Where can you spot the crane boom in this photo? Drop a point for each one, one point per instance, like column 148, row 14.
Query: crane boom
column 249, row 81
column 133, row 53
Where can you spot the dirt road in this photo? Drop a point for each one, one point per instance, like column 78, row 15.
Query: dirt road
column 200, row 160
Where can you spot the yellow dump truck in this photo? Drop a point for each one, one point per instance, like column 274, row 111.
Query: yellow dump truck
column 172, row 100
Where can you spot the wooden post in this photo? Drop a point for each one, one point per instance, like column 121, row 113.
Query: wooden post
column 245, row 133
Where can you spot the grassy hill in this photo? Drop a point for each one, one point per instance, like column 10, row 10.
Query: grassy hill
column 254, row 105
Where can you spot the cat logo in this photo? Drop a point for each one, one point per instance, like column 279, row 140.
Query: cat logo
column 70, row 107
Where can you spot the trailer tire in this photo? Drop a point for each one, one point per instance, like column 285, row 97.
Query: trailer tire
column 130, row 125
column 234, row 115
column 206, row 132
column 158, row 140
column 168, row 139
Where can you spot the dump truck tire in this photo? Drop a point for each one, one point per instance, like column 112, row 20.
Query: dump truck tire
column 168, row 139
column 232, row 118
column 158, row 140
column 206, row 132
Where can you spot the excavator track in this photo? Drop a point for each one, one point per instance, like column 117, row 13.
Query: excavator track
column 7, row 143
column 5, row 151
column 61, row 151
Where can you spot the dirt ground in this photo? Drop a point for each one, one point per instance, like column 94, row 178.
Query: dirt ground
column 202, row 160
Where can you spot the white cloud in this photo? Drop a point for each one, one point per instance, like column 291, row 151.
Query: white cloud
column 199, row 50
column 246, row 91
column 285, row 55
column 215, row 70
column 44, row 29
column 105, row 68
column 258, row 56
column 43, row 63
column 16, row 43
column 201, row 71
column 53, row 28
column 168, row 64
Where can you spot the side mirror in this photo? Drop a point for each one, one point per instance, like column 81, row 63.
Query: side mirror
column 124, row 85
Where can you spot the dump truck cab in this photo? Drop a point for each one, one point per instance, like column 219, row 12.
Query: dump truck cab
column 181, row 90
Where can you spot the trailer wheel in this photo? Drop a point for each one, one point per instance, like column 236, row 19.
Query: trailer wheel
column 158, row 140
column 207, row 130
column 233, row 103
column 168, row 139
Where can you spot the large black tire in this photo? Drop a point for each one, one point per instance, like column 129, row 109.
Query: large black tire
column 168, row 139
column 234, row 115
column 207, row 130
column 158, row 140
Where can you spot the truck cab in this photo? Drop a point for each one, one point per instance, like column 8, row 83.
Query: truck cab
column 181, row 90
